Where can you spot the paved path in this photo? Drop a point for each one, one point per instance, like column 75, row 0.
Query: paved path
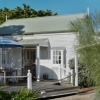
column 89, row 96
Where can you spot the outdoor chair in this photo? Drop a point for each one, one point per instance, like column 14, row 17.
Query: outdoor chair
column 9, row 80
column 1, row 79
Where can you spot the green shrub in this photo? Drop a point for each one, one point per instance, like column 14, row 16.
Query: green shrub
column 84, row 77
column 4, row 95
column 22, row 94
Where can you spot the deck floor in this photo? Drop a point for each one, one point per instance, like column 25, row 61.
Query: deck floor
column 42, row 85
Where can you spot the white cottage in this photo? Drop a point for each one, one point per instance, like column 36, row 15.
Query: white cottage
column 48, row 45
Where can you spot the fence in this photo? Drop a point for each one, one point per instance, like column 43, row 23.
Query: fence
column 29, row 79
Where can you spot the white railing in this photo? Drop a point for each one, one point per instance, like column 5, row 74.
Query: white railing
column 29, row 79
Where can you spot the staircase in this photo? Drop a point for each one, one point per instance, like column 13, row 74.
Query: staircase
column 60, row 91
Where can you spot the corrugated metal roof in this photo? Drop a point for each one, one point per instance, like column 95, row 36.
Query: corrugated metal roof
column 39, row 24
column 31, row 42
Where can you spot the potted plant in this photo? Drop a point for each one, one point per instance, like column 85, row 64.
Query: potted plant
column 71, row 63
column 45, row 76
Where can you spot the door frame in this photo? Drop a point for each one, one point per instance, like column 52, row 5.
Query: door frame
column 31, row 65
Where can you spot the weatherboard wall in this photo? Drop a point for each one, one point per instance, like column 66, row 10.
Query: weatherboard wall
column 67, row 40
column 14, row 60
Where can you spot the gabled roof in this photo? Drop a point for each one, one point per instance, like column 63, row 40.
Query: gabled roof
column 59, row 23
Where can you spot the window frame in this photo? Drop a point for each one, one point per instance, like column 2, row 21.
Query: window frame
column 56, row 57
column 62, row 61
column 5, row 56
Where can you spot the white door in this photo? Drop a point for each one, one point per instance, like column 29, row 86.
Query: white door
column 58, row 62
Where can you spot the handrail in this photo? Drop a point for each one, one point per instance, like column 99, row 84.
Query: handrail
column 59, row 79
column 41, row 79
column 13, row 76
column 54, row 80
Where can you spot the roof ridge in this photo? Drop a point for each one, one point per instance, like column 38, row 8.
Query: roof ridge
column 48, row 16
column 4, row 23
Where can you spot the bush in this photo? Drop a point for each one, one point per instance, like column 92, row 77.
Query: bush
column 72, row 63
column 84, row 74
column 25, row 94
column 4, row 95
column 84, row 77
column 22, row 94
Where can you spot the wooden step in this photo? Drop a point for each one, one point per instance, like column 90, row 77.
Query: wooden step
column 58, row 92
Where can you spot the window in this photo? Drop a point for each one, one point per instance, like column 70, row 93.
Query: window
column 3, row 57
column 27, row 54
column 56, row 57
column 33, row 54
column 8, row 57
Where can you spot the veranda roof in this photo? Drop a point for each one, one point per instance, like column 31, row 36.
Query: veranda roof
column 34, row 42
column 7, row 43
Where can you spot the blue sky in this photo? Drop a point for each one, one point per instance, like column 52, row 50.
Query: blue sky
column 60, row 6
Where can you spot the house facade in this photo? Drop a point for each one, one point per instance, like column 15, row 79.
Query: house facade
column 48, row 43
